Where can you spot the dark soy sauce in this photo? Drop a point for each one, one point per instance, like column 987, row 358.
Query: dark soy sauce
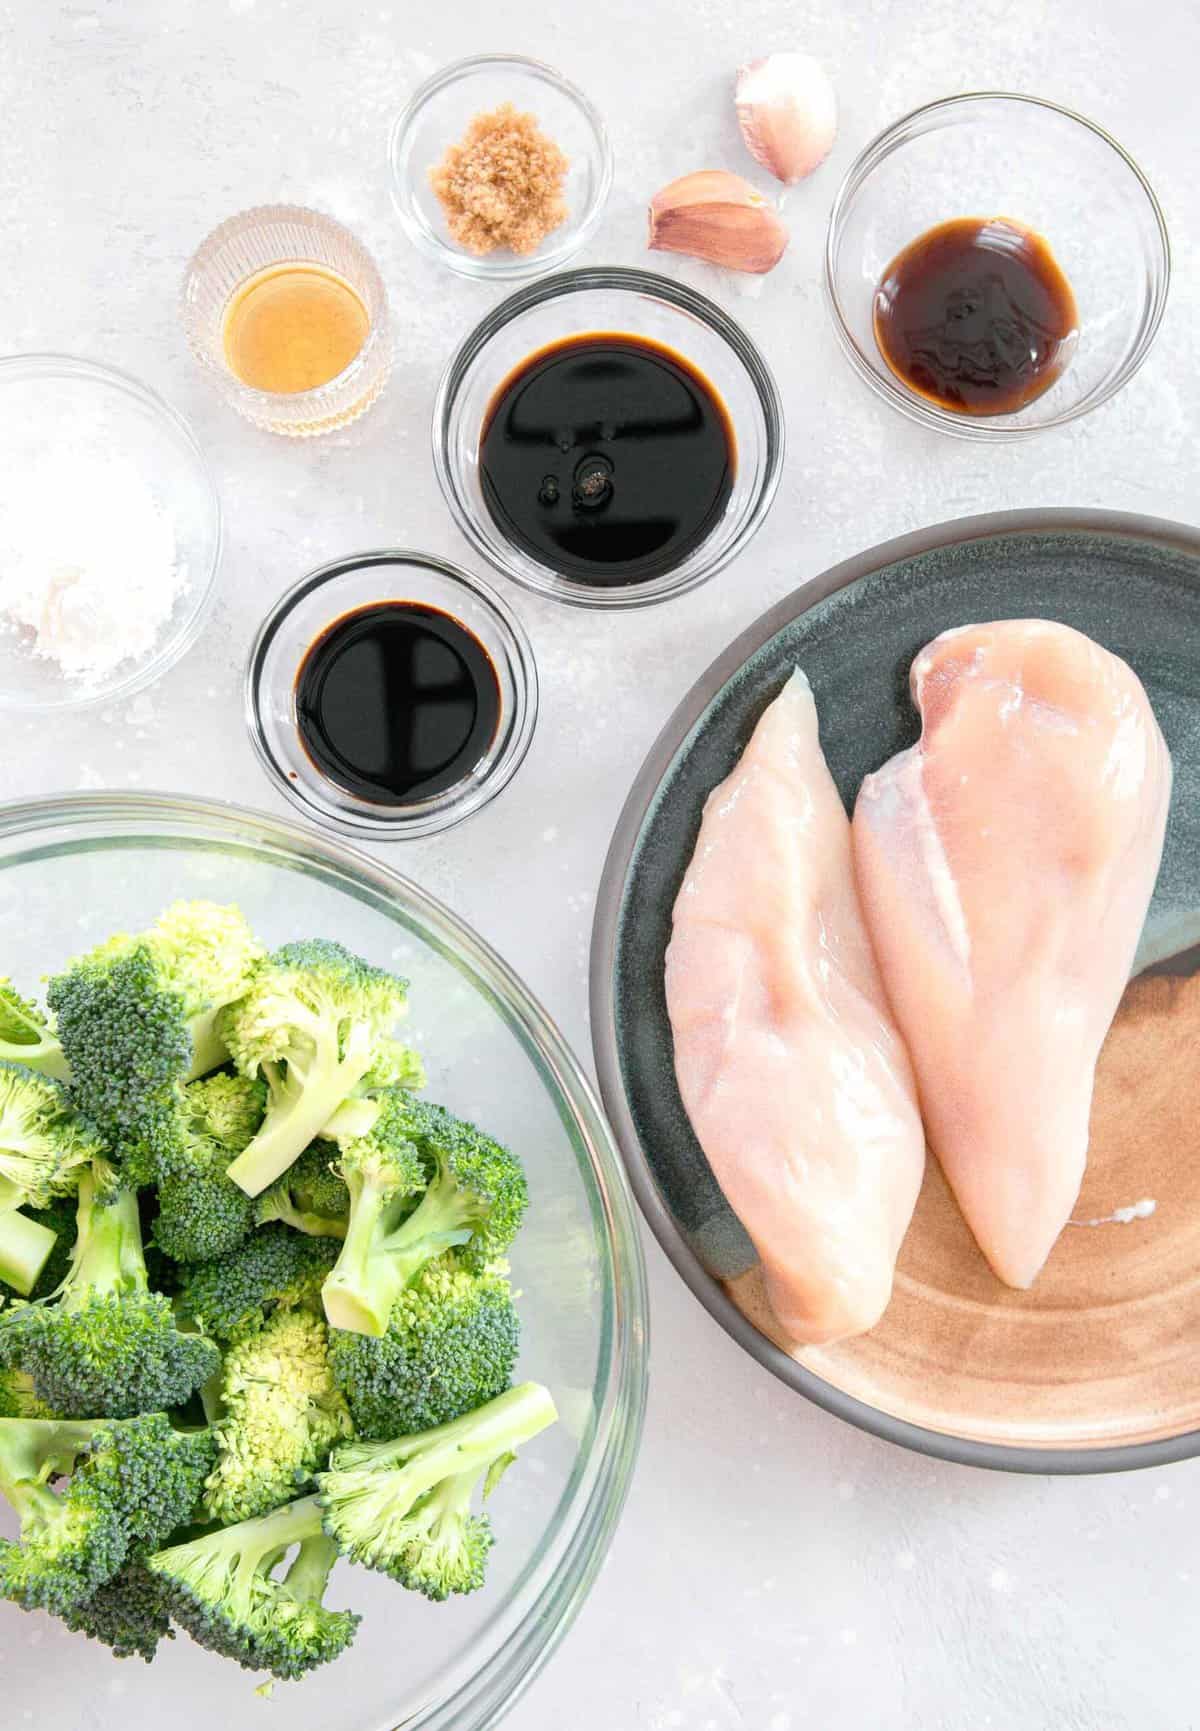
column 977, row 316
column 396, row 702
column 607, row 457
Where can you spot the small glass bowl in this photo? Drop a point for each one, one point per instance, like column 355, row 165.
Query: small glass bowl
column 273, row 234
column 1039, row 165
column 438, row 115
column 308, row 610
column 636, row 303
column 95, row 408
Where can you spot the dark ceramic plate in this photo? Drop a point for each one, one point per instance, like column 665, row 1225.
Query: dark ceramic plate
column 1097, row 1368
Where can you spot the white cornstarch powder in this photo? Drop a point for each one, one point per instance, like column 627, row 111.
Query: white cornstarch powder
column 89, row 566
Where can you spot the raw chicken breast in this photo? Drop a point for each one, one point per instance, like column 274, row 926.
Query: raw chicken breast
column 793, row 1075
column 1005, row 864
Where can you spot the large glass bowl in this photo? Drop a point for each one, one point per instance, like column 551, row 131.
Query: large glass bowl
column 996, row 154
column 74, row 869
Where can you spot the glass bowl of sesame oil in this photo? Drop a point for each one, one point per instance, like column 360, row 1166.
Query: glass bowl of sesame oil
column 285, row 309
column 996, row 265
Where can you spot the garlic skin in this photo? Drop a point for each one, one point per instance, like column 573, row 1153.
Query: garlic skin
column 718, row 217
column 788, row 114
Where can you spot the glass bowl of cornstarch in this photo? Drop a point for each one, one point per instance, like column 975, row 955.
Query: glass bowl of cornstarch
column 110, row 534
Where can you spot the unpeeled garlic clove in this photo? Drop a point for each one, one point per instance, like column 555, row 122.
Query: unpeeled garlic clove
column 719, row 217
column 788, row 114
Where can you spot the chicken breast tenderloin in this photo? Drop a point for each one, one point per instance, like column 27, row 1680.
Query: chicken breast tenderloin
column 1005, row 864
column 796, row 1082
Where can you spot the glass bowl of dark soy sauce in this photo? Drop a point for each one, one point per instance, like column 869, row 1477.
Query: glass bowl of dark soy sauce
column 996, row 265
column 608, row 437
column 391, row 694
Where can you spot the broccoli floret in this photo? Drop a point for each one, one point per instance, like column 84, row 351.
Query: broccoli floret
column 450, row 1347
column 281, row 1413
column 202, row 1212
column 104, row 1343
column 311, row 1196
column 221, row 1588
column 137, row 1016
column 228, row 1108
column 44, row 1144
column 274, row 1268
column 474, row 1197
column 403, row 1507
column 132, row 1482
column 309, row 1026
column 26, row 1035
column 128, row 1614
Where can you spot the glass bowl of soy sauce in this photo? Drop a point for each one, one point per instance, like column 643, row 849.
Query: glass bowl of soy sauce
column 608, row 437
column 996, row 265
column 391, row 694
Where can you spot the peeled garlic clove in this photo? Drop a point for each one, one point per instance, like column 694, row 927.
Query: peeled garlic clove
column 719, row 217
column 788, row 114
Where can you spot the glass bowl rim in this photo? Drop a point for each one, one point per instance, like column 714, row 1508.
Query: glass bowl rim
column 645, row 284
column 255, row 400
column 57, row 363
column 916, row 408
column 507, row 268
column 477, row 1701
column 479, row 793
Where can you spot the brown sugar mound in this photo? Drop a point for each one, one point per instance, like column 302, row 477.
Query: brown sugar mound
column 501, row 185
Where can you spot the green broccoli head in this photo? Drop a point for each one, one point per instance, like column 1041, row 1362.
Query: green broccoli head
column 450, row 1346
column 26, row 1035
column 44, row 1145
column 281, row 1413
column 127, row 1614
column 137, row 1015
column 104, row 1343
column 202, row 1212
column 403, row 1507
column 310, row 1197
column 274, row 1268
column 228, row 1108
column 222, row 1588
column 131, row 1483
column 309, row 1026
column 473, row 1197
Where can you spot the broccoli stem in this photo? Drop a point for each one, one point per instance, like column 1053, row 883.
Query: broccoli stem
column 254, row 1546
column 33, row 1451
column 44, row 1055
column 376, row 1265
column 308, row 1575
column 108, row 1250
column 209, row 1051
column 362, row 1288
column 25, row 1248
column 302, row 1220
column 466, row 1447
column 290, row 1126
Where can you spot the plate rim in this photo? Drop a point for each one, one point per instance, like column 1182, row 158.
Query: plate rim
column 963, row 1451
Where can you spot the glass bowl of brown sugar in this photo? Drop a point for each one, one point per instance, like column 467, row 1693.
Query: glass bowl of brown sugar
column 500, row 168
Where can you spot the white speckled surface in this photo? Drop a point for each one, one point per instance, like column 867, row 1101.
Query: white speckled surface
column 775, row 1570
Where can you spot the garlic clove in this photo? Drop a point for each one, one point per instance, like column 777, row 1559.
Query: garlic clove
column 718, row 217
column 788, row 114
